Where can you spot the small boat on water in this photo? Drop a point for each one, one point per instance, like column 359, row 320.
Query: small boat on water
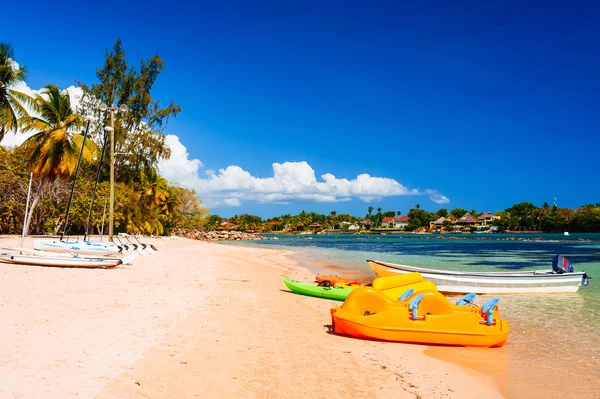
column 35, row 260
column 561, row 278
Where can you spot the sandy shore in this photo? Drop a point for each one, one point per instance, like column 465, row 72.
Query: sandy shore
column 198, row 320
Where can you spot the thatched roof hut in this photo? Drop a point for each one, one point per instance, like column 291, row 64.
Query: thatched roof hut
column 467, row 218
column 440, row 221
column 486, row 216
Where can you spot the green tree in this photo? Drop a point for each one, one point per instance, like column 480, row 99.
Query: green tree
column 138, row 133
column 458, row 212
column 448, row 226
column 53, row 150
column 442, row 212
column 12, row 102
column 213, row 222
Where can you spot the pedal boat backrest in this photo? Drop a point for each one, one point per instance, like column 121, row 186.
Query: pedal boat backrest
column 414, row 305
column 406, row 294
column 466, row 300
column 487, row 310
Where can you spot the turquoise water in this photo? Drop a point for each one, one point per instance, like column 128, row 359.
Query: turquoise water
column 547, row 330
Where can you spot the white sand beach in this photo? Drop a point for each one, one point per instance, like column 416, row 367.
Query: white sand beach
column 198, row 320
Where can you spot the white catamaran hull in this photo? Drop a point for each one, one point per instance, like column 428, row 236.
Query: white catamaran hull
column 78, row 247
column 125, row 260
column 34, row 260
column 487, row 282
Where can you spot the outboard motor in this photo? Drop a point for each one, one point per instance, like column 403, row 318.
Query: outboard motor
column 561, row 265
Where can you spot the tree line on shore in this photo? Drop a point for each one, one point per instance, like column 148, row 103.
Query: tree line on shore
column 523, row 216
column 145, row 202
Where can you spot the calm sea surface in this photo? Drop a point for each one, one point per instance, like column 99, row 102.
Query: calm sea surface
column 553, row 348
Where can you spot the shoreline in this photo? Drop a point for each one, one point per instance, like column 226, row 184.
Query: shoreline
column 199, row 320
column 535, row 344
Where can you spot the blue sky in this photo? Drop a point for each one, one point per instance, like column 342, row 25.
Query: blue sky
column 485, row 104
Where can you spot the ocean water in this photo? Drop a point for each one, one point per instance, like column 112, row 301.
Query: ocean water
column 553, row 350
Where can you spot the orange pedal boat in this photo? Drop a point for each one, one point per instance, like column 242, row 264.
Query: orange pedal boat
column 333, row 280
column 426, row 318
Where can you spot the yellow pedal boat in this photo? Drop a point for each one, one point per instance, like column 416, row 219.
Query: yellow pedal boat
column 426, row 318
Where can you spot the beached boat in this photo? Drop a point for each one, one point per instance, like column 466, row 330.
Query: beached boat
column 76, row 246
column 335, row 292
column 35, row 260
column 334, row 279
column 535, row 281
column 425, row 318
column 393, row 287
column 126, row 260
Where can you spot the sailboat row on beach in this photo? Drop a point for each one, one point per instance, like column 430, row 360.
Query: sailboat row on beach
column 61, row 252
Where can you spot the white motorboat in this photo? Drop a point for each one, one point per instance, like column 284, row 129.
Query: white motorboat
column 562, row 278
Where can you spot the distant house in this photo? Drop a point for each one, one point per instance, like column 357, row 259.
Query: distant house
column 486, row 217
column 227, row 225
column 398, row 223
column 354, row 226
column 314, row 226
column 367, row 224
column 274, row 224
column 466, row 220
column 438, row 224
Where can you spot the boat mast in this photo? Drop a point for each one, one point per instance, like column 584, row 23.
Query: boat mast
column 26, row 209
column 89, row 120
column 103, row 215
column 87, row 225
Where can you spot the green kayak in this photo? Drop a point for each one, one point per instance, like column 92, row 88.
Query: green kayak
column 335, row 293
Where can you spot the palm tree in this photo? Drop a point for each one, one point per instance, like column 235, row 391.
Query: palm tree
column 12, row 102
column 53, row 151
column 155, row 189
column 154, row 198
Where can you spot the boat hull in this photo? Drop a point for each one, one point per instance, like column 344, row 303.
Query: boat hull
column 33, row 260
column 487, row 282
column 78, row 247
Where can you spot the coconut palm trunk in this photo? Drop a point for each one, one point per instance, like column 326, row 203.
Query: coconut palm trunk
column 36, row 200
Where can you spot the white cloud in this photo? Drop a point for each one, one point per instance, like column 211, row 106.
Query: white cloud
column 291, row 181
column 232, row 201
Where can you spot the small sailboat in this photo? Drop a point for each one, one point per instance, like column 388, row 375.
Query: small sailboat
column 76, row 246
column 36, row 260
